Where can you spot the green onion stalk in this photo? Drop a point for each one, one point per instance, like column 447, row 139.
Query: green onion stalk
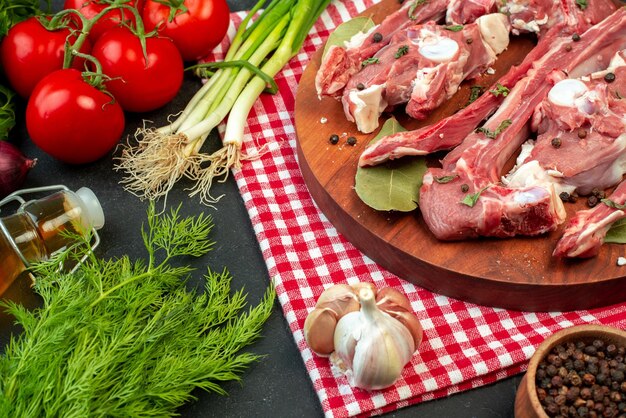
column 259, row 50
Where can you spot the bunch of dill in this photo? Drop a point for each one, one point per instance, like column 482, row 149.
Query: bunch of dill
column 123, row 338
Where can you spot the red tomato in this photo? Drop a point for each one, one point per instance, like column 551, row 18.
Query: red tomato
column 139, row 86
column 30, row 52
column 71, row 120
column 112, row 19
column 196, row 31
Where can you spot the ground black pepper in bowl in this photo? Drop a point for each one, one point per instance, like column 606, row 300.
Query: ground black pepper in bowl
column 583, row 379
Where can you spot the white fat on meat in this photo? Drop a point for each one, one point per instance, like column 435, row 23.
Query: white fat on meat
column 368, row 106
column 423, row 80
column 532, row 174
column 494, row 29
column 533, row 26
column 358, row 39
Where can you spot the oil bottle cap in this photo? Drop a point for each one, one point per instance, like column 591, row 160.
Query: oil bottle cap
column 93, row 209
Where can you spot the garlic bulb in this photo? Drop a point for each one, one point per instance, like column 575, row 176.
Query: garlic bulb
column 371, row 335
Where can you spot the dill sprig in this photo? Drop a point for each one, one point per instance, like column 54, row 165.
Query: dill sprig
column 127, row 338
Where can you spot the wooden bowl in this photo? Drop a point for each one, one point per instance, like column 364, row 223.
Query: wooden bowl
column 526, row 401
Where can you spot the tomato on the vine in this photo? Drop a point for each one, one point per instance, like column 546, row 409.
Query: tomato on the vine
column 29, row 52
column 112, row 19
column 139, row 86
column 72, row 120
column 197, row 27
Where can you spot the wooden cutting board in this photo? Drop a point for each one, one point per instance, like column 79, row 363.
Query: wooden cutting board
column 517, row 273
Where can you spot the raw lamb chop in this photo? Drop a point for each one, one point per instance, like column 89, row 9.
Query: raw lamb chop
column 463, row 198
column 581, row 143
column 340, row 63
column 537, row 16
column 585, row 232
column 449, row 132
column 423, row 65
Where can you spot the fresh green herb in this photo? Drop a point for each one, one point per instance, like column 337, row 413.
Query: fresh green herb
column 370, row 61
column 445, row 179
column 582, row 4
column 454, row 28
column 415, row 5
column 475, row 93
column 127, row 338
column 395, row 185
column 471, row 198
column 500, row 90
column 403, row 50
column 493, row 134
column 14, row 11
column 613, row 204
column 617, row 233
column 7, row 112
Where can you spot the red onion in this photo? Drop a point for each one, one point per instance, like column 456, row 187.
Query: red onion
column 14, row 166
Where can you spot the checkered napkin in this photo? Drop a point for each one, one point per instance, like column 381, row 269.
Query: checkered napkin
column 464, row 346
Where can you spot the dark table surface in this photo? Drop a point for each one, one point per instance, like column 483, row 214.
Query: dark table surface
column 278, row 385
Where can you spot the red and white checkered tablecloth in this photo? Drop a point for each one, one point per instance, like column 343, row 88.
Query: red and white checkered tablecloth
column 464, row 346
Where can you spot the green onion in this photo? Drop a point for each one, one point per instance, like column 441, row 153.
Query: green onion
column 257, row 53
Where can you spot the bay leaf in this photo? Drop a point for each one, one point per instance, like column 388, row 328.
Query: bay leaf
column 347, row 30
column 617, row 233
column 394, row 185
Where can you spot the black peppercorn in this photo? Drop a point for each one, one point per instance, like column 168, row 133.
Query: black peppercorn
column 592, row 201
column 572, row 394
column 583, row 411
column 575, row 37
column 464, row 189
column 582, row 133
column 334, row 139
column 617, row 376
column 351, row 141
column 611, row 349
column 360, row 86
column 609, row 77
column 589, row 379
column 556, row 142
column 568, row 47
column 557, row 381
column 377, row 37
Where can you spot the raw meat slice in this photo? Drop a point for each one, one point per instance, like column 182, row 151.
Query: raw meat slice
column 463, row 11
column 423, row 65
column 585, row 231
column 340, row 63
column 537, row 16
column 474, row 166
column 449, row 132
column 581, row 143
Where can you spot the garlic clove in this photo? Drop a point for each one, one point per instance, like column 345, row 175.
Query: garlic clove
column 388, row 296
column 341, row 298
column 412, row 324
column 319, row 325
column 396, row 304
column 319, row 330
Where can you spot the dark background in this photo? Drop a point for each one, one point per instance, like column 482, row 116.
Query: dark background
column 278, row 385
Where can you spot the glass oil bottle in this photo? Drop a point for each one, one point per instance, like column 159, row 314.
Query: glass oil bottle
column 40, row 227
